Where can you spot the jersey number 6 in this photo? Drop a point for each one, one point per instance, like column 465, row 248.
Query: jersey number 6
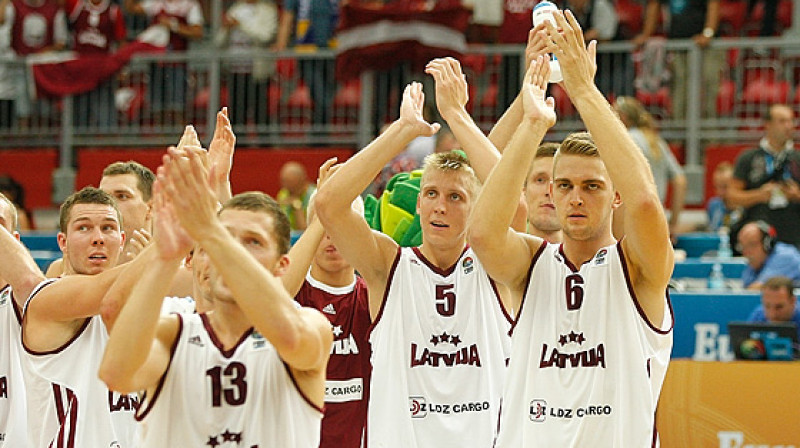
column 574, row 290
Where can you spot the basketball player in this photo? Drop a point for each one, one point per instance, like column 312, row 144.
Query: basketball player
column 252, row 370
column 542, row 218
column 63, row 333
column 439, row 336
column 592, row 338
column 131, row 183
column 18, row 268
column 332, row 287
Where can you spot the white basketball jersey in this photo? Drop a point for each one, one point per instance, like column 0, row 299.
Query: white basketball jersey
column 439, row 350
column 586, row 365
column 12, row 389
column 68, row 405
column 244, row 397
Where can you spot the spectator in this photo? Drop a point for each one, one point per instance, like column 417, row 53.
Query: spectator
column 8, row 86
column 294, row 194
column 768, row 20
column 312, row 24
column 517, row 22
column 765, row 256
column 600, row 22
column 778, row 303
column 697, row 20
column 168, row 82
column 765, row 179
column 598, row 18
column 98, row 27
column 720, row 212
column 15, row 193
column 642, row 128
column 37, row 26
column 249, row 25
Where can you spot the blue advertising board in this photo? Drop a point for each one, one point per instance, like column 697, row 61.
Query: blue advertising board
column 701, row 322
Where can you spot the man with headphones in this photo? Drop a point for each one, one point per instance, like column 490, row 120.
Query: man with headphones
column 766, row 257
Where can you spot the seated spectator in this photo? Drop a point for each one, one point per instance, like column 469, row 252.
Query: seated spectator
column 766, row 257
column 720, row 213
column 15, row 193
column 778, row 303
column 295, row 193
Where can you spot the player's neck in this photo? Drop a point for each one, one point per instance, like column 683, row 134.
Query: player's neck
column 336, row 279
column 581, row 251
column 554, row 236
column 442, row 257
column 229, row 323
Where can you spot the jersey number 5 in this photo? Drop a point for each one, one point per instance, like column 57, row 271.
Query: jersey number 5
column 234, row 374
column 445, row 300
column 574, row 290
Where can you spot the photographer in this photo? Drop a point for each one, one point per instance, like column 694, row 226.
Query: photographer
column 765, row 180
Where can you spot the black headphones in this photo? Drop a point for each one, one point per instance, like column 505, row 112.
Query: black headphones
column 768, row 235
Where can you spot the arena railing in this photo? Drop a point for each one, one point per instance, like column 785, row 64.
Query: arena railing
column 292, row 98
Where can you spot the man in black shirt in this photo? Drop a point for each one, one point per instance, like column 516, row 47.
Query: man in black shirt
column 765, row 180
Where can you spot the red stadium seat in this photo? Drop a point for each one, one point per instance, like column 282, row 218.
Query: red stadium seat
column 658, row 103
column 726, row 97
column 764, row 91
column 346, row 103
column 564, row 107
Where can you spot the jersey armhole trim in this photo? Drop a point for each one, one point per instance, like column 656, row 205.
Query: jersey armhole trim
column 635, row 299
column 321, row 410
column 527, row 285
column 386, row 289
column 146, row 403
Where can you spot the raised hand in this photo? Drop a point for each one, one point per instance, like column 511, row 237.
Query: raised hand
column 189, row 138
column 537, row 44
column 137, row 242
column 578, row 61
column 187, row 188
column 220, row 155
column 326, row 170
column 534, row 87
column 170, row 239
column 411, row 110
column 451, row 86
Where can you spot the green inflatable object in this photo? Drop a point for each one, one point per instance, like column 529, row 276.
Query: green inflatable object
column 395, row 212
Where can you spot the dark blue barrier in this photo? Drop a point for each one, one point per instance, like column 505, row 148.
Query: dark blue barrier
column 40, row 241
column 701, row 268
column 697, row 244
column 701, row 323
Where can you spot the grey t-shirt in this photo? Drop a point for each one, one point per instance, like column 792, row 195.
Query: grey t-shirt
column 662, row 161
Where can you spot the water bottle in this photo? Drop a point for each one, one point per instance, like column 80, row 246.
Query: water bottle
column 716, row 281
column 724, row 252
column 542, row 12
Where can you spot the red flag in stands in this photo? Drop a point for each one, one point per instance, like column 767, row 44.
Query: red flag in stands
column 378, row 38
column 83, row 73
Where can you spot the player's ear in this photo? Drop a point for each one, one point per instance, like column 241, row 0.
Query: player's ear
column 617, row 200
column 281, row 266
